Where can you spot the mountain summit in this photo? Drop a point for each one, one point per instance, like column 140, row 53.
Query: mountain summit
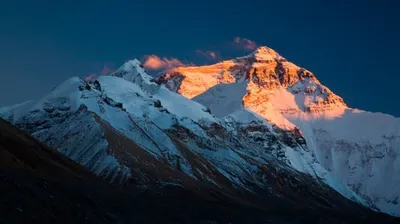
column 265, row 73
column 254, row 129
column 264, row 53
column 359, row 148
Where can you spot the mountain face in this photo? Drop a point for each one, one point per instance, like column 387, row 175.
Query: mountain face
column 243, row 140
column 357, row 148
column 40, row 185
column 32, row 182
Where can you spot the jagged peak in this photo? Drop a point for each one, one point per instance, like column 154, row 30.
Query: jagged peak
column 133, row 71
column 131, row 68
column 263, row 53
column 131, row 65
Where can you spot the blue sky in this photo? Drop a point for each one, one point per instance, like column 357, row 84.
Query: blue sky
column 351, row 46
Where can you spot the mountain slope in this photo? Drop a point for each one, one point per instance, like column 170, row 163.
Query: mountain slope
column 19, row 150
column 137, row 134
column 343, row 145
column 41, row 185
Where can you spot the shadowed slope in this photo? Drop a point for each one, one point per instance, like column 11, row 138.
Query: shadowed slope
column 42, row 185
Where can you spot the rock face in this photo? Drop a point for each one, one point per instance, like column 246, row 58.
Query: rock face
column 43, row 186
column 357, row 148
column 248, row 140
column 126, row 128
column 266, row 74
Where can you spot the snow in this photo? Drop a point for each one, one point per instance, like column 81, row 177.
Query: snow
column 263, row 53
column 134, row 99
column 120, row 88
column 183, row 107
column 126, row 91
column 281, row 99
column 243, row 115
column 354, row 151
column 16, row 106
column 133, row 72
column 223, row 99
column 305, row 162
column 199, row 79
column 361, row 149
column 64, row 92
column 17, row 111
column 344, row 146
column 358, row 125
column 67, row 90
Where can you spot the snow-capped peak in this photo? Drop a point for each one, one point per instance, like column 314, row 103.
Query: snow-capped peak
column 273, row 83
column 133, row 71
column 267, row 105
column 264, row 53
column 131, row 65
column 130, row 70
column 358, row 148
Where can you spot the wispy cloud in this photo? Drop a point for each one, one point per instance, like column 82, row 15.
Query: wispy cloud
column 210, row 55
column 90, row 77
column 154, row 62
column 157, row 65
column 106, row 69
column 245, row 43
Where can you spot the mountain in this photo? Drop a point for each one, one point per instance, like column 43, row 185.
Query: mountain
column 138, row 135
column 40, row 185
column 33, row 183
column 357, row 148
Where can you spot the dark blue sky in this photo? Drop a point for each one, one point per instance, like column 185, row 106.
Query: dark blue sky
column 351, row 46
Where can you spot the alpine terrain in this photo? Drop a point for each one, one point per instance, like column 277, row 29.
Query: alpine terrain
column 254, row 140
column 342, row 145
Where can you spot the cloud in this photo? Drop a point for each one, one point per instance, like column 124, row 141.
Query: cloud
column 90, row 77
column 154, row 62
column 107, row 69
column 245, row 43
column 210, row 55
column 104, row 68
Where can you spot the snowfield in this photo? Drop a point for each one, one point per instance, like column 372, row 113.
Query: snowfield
column 222, row 124
column 347, row 148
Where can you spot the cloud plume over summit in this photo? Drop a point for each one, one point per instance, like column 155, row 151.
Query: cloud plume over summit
column 245, row 43
column 154, row 62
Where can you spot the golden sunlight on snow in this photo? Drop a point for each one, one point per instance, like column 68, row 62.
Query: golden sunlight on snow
column 277, row 89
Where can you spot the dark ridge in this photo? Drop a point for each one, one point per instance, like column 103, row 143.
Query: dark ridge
column 40, row 185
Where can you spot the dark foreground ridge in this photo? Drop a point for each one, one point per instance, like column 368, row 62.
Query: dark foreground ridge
column 40, row 185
